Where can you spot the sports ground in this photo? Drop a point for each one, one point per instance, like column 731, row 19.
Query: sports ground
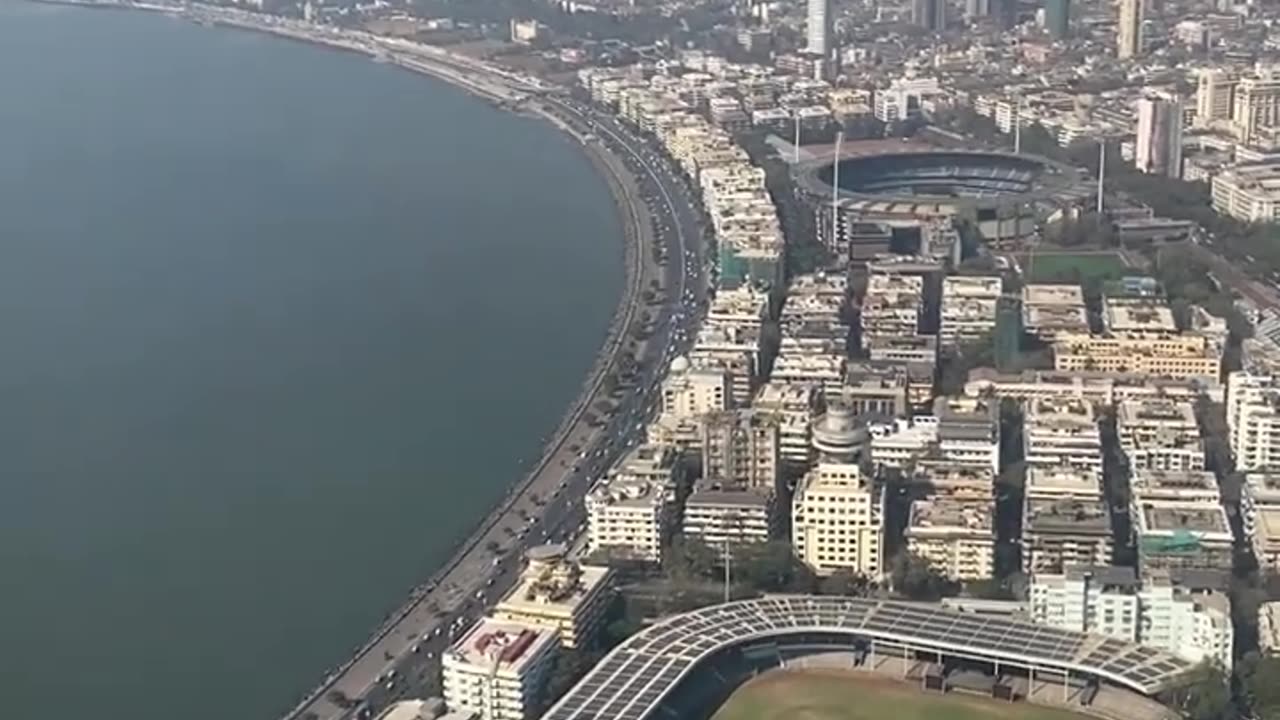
column 848, row 695
column 1052, row 266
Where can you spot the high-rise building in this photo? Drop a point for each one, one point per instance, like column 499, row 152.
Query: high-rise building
column 837, row 521
column 498, row 669
column 1057, row 18
column 1256, row 104
column 929, row 14
column 974, row 9
column 1158, row 146
column 1129, row 29
column 818, row 26
column 1215, row 90
column 741, row 447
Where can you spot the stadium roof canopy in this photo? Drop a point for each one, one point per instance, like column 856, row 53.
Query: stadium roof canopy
column 632, row 679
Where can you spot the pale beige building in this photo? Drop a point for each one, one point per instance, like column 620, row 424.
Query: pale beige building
column 560, row 594
column 837, row 521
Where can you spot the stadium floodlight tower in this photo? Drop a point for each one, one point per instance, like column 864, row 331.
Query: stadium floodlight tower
column 835, row 185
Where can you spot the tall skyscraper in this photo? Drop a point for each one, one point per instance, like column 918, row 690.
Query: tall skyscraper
column 1129, row 30
column 819, row 27
column 1158, row 147
column 1215, row 90
column 1256, row 103
column 1057, row 18
column 929, row 14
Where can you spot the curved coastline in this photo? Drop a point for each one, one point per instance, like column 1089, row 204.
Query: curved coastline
column 458, row 72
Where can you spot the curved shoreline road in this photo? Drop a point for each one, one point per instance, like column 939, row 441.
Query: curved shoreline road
column 547, row 503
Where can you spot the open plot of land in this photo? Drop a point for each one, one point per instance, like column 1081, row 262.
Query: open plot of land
column 851, row 695
column 1050, row 266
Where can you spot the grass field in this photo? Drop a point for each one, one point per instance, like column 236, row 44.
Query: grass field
column 850, row 695
column 1073, row 267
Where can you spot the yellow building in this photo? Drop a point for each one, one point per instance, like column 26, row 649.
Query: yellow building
column 558, row 594
column 1166, row 355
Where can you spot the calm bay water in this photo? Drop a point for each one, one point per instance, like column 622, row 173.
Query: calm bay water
column 279, row 325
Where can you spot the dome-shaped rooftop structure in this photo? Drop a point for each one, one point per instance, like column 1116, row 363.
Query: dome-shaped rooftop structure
column 837, row 434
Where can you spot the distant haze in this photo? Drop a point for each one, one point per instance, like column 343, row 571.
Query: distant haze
column 279, row 325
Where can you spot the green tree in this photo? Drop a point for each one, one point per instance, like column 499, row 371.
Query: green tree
column 846, row 583
column 689, row 557
column 914, row 578
column 1259, row 679
column 1206, row 696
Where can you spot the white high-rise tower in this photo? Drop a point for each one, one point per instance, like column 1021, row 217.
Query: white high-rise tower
column 818, row 26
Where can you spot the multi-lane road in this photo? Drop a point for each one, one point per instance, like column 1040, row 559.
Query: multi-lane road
column 402, row 658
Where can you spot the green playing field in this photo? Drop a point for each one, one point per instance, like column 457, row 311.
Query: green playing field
column 851, row 695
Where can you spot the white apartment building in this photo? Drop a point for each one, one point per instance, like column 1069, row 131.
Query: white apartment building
column 837, row 521
column 956, row 537
column 1192, row 622
column 498, row 670
column 1160, row 434
column 1253, row 419
column 1269, row 628
column 1100, row 599
column 1162, row 610
column 741, row 447
column 628, row 516
column 716, row 516
column 689, row 392
column 1062, row 432
column 1158, row 145
column 900, row 443
column 1248, row 191
column 968, row 430
column 1260, row 517
column 969, row 308
column 1215, row 90
column 1255, row 106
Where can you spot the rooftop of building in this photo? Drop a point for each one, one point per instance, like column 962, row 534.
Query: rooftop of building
column 554, row 583
column 1042, row 294
column 1055, row 410
column 946, row 514
column 1173, row 481
column 1170, row 517
column 628, row 491
column 832, row 477
column 975, row 286
column 710, row 494
column 1263, row 486
column 1067, row 516
column 1162, row 411
column 507, row 645
column 1108, row 575
column 1053, row 317
column 1062, row 481
column 1133, row 314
